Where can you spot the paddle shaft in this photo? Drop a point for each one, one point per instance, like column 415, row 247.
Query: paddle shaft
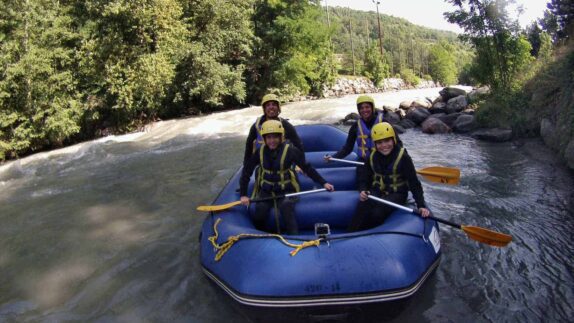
column 347, row 161
column 288, row 195
column 404, row 208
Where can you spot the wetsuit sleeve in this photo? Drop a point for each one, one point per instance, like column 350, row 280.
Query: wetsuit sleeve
column 249, row 144
column 291, row 134
column 410, row 173
column 364, row 177
column 298, row 157
column 350, row 144
column 246, row 173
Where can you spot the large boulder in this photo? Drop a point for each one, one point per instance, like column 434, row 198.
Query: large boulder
column 451, row 92
column 392, row 118
column 421, row 103
column 549, row 134
column 405, row 105
column 398, row 129
column 493, row 134
column 456, row 104
column 407, row 124
column 418, row 115
column 438, row 107
column 464, row 123
column 448, row 119
column 434, row 125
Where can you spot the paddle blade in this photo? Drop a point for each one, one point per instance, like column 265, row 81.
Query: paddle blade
column 489, row 237
column 444, row 175
column 215, row 208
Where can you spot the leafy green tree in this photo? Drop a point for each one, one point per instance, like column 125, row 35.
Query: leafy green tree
column 129, row 56
column 442, row 65
column 292, row 50
column 375, row 67
column 39, row 102
column 549, row 23
column 563, row 10
column 501, row 53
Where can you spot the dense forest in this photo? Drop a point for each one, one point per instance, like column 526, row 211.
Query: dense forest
column 407, row 48
column 74, row 70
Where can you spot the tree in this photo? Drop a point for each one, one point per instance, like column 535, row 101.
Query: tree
column 292, row 51
column 564, row 12
column 501, row 52
column 40, row 104
column 442, row 65
column 376, row 69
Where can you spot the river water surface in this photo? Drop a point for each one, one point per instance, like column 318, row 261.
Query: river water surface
column 107, row 230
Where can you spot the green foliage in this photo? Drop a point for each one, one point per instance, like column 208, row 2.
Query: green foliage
column 375, row 68
column 563, row 10
column 501, row 54
column 292, row 49
column 442, row 66
column 409, row 77
column 39, row 100
column 404, row 44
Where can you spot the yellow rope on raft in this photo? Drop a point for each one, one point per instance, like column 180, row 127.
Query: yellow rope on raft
column 222, row 248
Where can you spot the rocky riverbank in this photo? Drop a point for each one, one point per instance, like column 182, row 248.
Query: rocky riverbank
column 450, row 111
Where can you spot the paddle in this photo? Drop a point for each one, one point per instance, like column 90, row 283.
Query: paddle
column 479, row 234
column 437, row 174
column 221, row 207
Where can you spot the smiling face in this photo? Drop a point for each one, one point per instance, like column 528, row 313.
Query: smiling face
column 272, row 140
column 271, row 109
column 366, row 111
column 385, row 146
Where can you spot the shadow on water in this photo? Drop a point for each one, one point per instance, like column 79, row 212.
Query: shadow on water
column 109, row 233
column 113, row 235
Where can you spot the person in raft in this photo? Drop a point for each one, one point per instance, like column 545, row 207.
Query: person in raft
column 276, row 176
column 360, row 132
column 389, row 173
column 271, row 110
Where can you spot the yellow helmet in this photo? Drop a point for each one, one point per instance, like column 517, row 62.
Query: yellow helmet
column 270, row 97
column 382, row 131
column 272, row 126
column 365, row 99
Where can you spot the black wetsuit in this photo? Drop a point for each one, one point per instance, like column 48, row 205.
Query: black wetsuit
column 286, row 206
column 371, row 213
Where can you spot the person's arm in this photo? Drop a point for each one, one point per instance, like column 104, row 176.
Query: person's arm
column 249, row 144
column 291, row 134
column 246, row 173
column 410, row 173
column 350, row 144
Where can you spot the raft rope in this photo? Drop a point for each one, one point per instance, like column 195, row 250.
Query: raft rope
column 224, row 247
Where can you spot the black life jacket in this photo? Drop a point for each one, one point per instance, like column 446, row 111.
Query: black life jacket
column 388, row 179
column 276, row 175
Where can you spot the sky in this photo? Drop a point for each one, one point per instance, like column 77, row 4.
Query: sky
column 429, row 13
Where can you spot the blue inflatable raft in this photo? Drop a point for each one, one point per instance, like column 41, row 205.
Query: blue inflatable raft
column 389, row 262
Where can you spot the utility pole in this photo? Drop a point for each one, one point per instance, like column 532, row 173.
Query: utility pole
column 379, row 21
column 329, row 23
column 351, row 38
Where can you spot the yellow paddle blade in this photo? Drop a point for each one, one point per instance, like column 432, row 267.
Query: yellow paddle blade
column 439, row 174
column 215, row 208
column 483, row 235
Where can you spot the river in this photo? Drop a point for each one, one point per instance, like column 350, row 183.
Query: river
column 107, row 230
